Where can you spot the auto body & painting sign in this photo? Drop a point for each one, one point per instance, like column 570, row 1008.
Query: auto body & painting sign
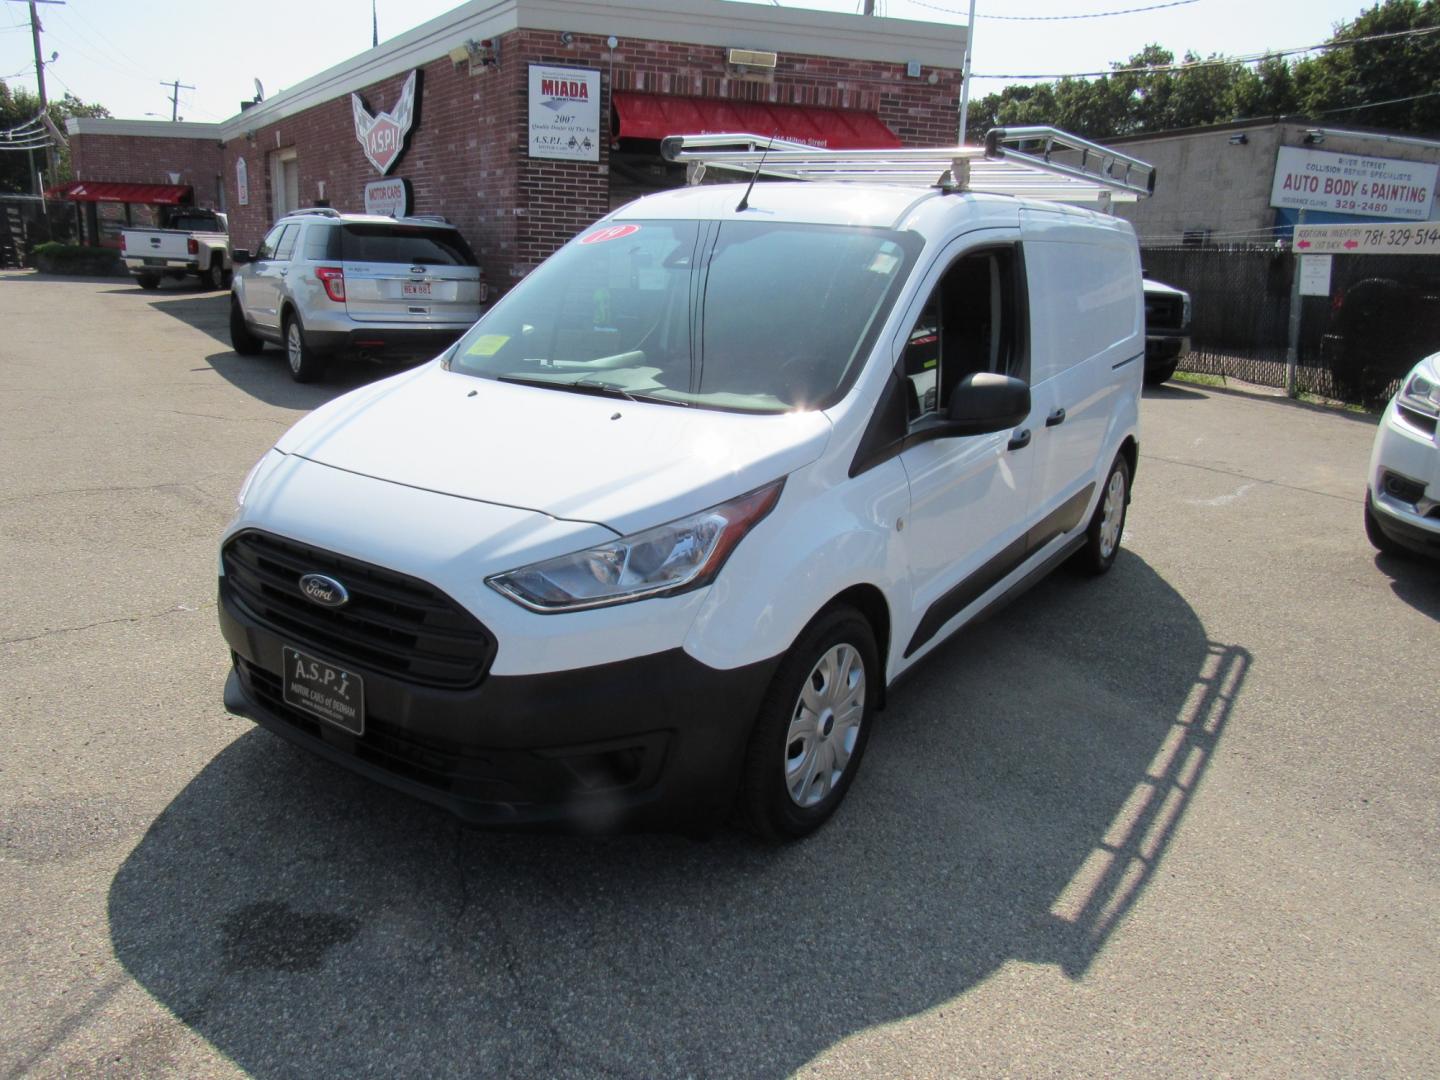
column 564, row 113
column 1353, row 184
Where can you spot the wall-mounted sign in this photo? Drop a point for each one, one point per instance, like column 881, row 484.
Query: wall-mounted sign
column 383, row 136
column 1353, row 184
column 564, row 113
column 389, row 198
column 242, row 182
column 1381, row 238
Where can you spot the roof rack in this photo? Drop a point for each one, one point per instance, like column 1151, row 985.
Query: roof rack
column 1029, row 162
column 322, row 211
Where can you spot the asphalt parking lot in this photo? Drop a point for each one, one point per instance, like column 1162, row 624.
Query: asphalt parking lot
column 1181, row 820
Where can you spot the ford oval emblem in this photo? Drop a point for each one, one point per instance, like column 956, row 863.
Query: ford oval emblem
column 322, row 590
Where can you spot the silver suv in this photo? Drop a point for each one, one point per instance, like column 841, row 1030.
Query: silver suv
column 324, row 283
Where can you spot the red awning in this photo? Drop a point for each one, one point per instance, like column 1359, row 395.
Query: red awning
column 649, row 116
column 100, row 191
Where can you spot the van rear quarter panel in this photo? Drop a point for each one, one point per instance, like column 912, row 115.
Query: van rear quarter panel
column 1087, row 319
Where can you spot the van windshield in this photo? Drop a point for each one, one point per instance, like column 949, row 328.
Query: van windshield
column 776, row 317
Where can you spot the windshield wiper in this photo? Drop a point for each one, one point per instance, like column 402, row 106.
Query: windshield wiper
column 582, row 385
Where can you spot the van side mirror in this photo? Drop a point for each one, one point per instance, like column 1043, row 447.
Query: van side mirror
column 240, row 256
column 986, row 402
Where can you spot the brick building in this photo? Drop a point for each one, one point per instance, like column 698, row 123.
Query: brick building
column 505, row 98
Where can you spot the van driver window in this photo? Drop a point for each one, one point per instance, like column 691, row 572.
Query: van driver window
column 966, row 326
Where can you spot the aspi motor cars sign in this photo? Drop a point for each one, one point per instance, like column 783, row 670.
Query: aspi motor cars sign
column 564, row 113
column 383, row 136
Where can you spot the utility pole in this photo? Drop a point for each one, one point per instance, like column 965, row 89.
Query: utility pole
column 35, row 29
column 176, row 86
column 965, row 73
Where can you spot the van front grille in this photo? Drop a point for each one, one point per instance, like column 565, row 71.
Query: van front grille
column 391, row 623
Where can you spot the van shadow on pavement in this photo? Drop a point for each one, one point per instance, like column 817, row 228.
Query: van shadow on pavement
column 1017, row 796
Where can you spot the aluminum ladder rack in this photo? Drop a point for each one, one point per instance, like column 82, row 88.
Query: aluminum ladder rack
column 1027, row 162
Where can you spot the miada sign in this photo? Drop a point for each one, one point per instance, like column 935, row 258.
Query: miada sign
column 383, row 136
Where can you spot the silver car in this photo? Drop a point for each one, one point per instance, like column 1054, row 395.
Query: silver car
column 323, row 283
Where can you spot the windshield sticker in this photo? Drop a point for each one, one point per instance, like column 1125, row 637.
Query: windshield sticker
column 487, row 344
column 614, row 232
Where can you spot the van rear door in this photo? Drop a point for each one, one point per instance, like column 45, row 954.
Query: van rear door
column 421, row 274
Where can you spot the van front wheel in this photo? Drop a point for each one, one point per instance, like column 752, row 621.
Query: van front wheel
column 812, row 728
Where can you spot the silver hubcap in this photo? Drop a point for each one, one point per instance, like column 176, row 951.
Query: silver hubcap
column 825, row 725
column 293, row 347
column 1113, row 515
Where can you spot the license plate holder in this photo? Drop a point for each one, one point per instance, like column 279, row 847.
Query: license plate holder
column 149, row 261
column 324, row 690
column 410, row 289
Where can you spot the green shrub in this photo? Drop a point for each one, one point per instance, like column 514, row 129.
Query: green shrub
column 55, row 258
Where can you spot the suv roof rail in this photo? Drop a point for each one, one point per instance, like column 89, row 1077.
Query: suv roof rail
column 323, row 211
column 1028, row 162
column 426, row 219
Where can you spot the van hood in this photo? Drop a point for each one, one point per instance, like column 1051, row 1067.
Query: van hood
column 625, row 465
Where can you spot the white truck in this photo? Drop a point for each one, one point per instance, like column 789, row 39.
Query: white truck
column 193, row 242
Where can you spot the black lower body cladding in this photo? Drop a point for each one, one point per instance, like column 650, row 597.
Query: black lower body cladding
column 654, row 742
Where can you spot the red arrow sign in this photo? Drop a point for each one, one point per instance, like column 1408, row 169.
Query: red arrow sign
column 1303, row 244
column 1352, row 243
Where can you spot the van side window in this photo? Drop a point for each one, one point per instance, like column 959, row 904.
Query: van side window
column 968, row 325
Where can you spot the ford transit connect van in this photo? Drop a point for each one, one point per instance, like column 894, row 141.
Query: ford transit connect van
column 651, row 541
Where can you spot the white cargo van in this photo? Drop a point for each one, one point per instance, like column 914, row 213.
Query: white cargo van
column 650, row 542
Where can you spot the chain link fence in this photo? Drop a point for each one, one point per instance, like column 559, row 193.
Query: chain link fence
column 1382, row 315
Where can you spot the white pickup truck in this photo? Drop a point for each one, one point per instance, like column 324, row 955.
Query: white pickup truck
column 193, row 242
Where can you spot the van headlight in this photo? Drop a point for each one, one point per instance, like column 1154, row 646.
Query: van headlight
column 673, row 558
column 1421, row 391
column 250, row 478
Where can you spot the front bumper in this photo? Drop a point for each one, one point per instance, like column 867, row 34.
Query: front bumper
column 1405, row 479
column 1164, row 348
column 652, row 742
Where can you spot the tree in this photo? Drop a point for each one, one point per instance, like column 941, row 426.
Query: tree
column 20, row 106
column 1355, row 83
column 1352, row 83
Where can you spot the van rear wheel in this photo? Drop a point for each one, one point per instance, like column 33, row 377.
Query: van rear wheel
column 1107, row 524
column 812, row 728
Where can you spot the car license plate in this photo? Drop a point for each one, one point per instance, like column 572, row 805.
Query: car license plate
column 154, row 262
column 321, row 689
column 414, row 288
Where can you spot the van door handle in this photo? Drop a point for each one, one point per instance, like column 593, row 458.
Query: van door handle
column 1055, row 418
column 1019, row 440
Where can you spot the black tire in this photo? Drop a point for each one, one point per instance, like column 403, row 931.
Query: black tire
column 241, row 339
column 1156, row 376
column 306, row 365
column 214, row 276
column 148, row 281
column 776, row 802
column 1378, row 537
column 1102, row 537
column 227, row 278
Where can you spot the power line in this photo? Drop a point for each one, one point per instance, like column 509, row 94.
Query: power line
column 1057, row 18
column 1226, row 61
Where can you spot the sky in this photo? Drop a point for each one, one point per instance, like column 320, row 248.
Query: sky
column 118, row 52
